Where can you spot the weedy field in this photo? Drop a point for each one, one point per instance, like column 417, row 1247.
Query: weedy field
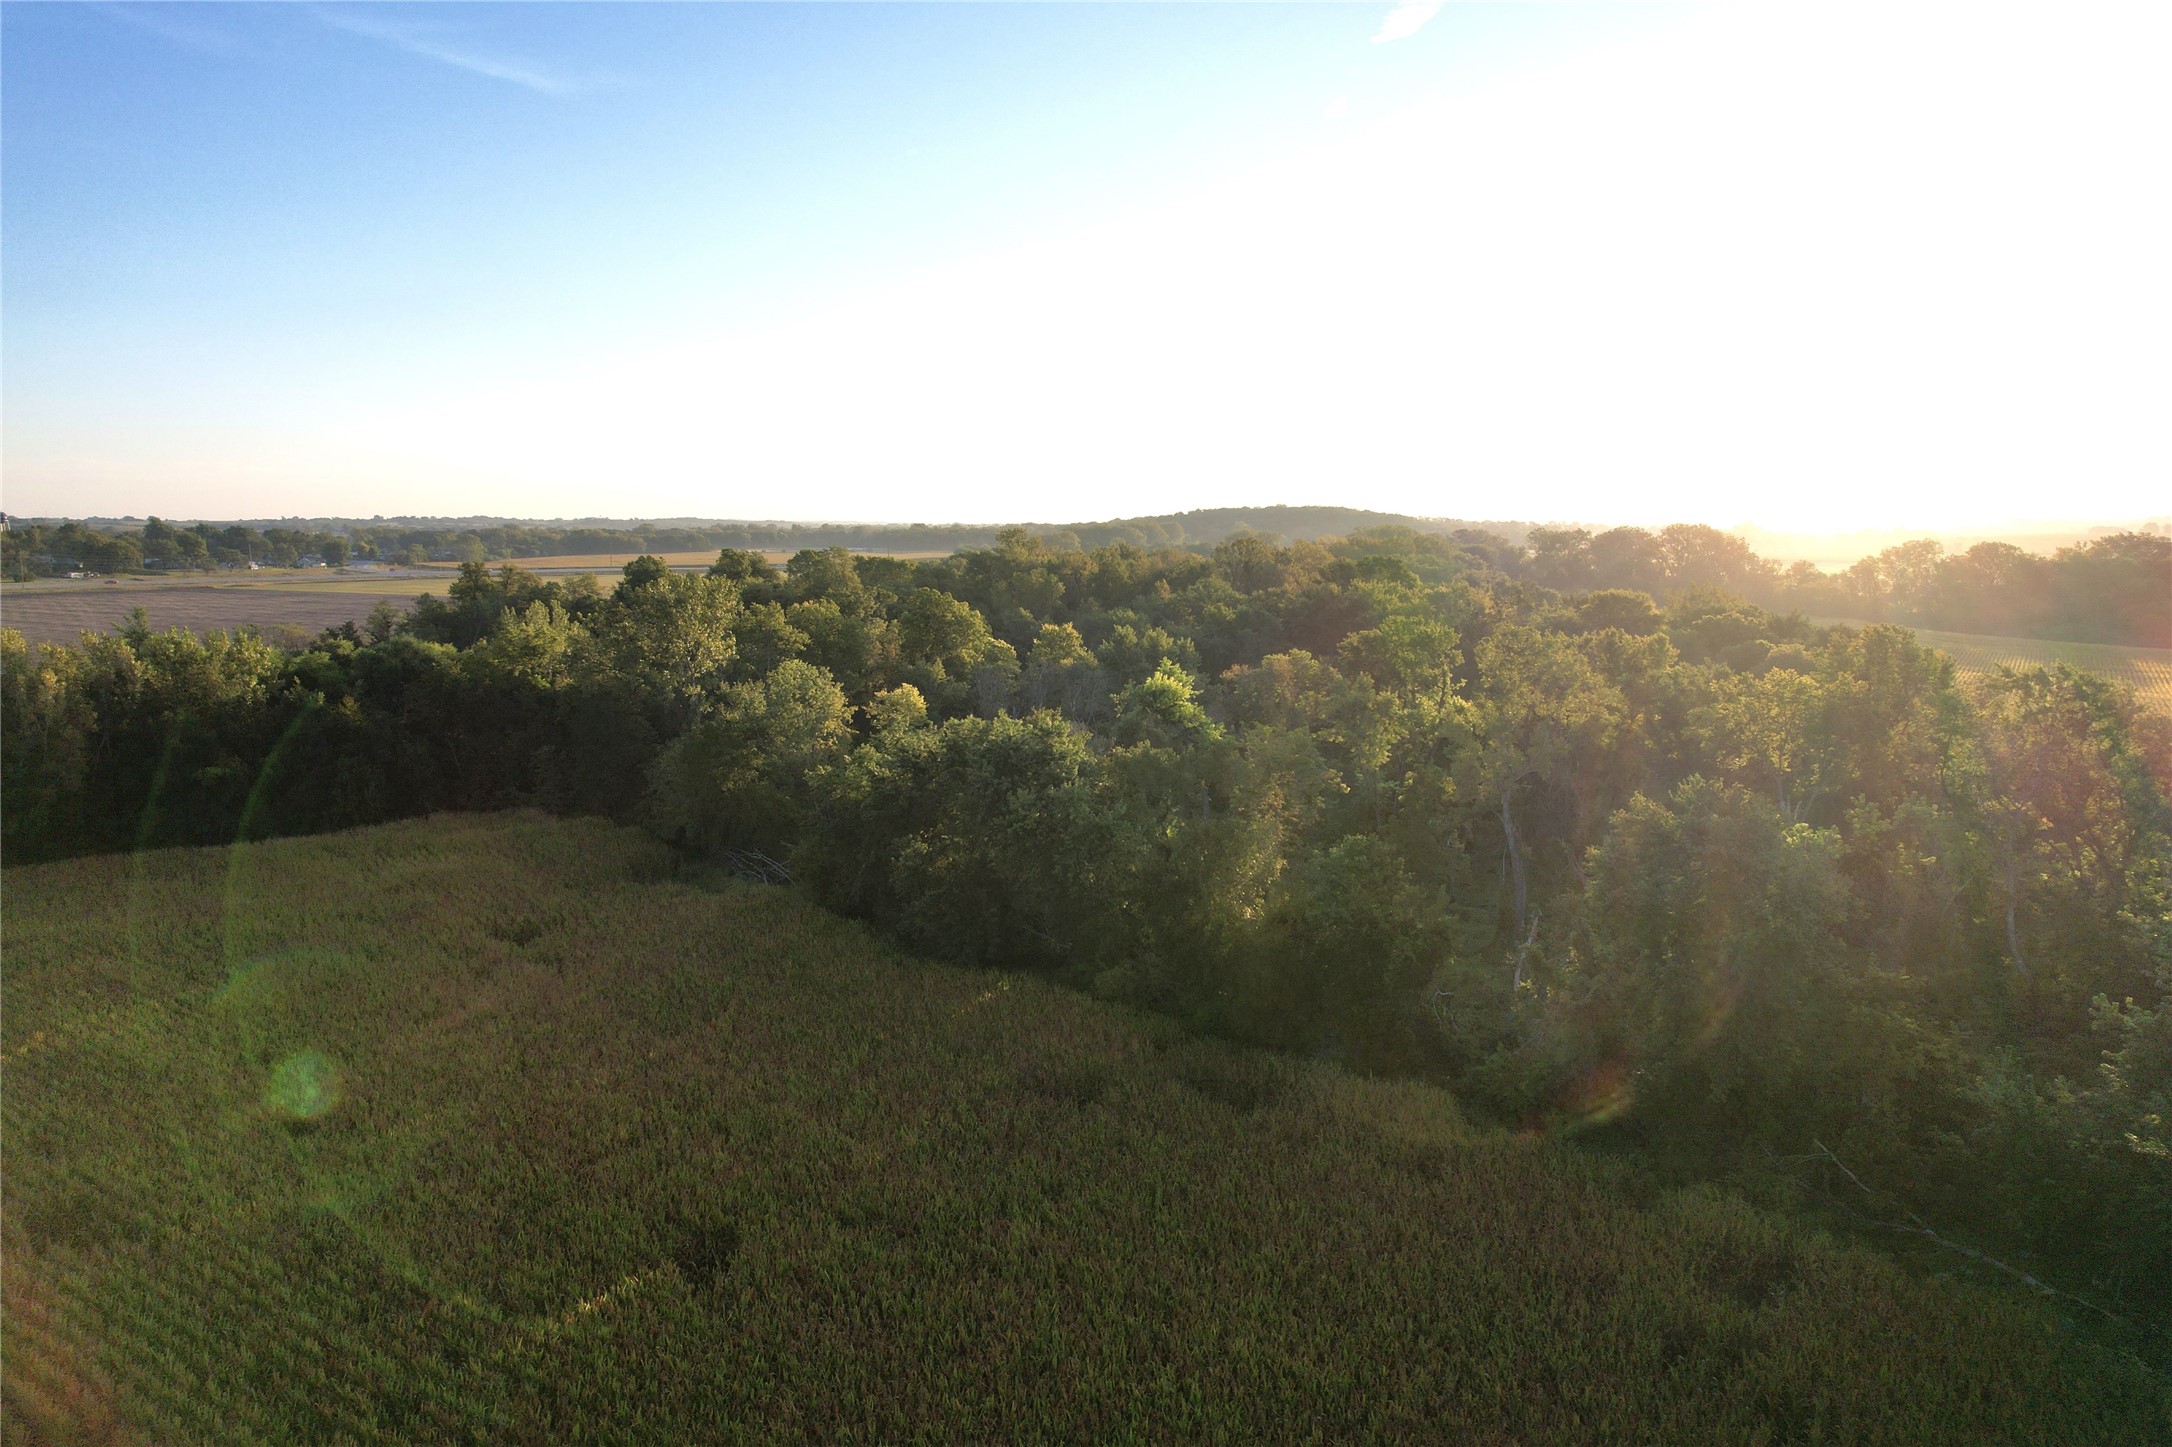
column 486, row 1129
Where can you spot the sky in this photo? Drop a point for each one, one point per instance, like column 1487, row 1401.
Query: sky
column 1812, row 267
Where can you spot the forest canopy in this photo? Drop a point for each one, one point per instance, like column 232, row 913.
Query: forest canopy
column 2110, row 589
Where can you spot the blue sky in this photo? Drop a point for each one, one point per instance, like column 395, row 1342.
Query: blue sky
column 998, row 261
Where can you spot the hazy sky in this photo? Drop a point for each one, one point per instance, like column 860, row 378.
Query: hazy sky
column 1822, row 266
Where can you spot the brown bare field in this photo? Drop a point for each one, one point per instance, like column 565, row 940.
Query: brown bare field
column 58, row 615
column 696, row 558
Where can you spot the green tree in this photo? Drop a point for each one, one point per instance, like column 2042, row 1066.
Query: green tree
column 742, row 777
column 1543, row 716
column 1715, row 931
column 976, row 839
column 1412, row 658
column 669, row 636
column 1770, row 729
column 742, row 567
column 1164, row 711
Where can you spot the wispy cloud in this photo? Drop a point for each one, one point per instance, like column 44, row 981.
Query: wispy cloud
column 1404, row 21
column 424, row 42
column 164, row 22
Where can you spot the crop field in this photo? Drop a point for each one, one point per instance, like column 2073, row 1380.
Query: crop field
column 2148, row 671
column 490, row 1129
column 58, row 613
column 695, row 558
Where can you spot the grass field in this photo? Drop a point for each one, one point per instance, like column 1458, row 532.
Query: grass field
column 485, row 1129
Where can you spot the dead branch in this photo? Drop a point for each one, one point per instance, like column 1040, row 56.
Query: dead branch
column 1914, row 1226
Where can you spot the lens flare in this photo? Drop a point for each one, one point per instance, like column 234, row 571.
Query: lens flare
column 305, row 1086
column 1603, row 1094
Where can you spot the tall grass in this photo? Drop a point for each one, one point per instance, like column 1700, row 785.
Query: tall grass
column 485, row 1129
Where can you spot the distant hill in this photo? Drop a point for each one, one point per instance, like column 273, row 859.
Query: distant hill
column 1204, row 527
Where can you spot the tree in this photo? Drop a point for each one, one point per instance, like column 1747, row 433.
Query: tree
column 2078, row 826
column 1133, row 652
column 1632, row 613
column 669, row 635
column 1542, row 716
column 1720, row 978
column 943, row 633
column 1412, row 658
column 1163, row 711
column 1061, row 673
column 742, row 777
column 976, row 839
column 742, row 567
column 1770, row 729
column 764, row 637
column 538, row 647
column 860, row 650
column 1356, row 942
column 643, row 572
column 897, row 708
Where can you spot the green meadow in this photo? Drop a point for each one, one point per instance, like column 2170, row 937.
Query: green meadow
column 491, row 1129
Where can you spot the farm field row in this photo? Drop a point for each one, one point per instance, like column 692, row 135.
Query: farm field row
column 2148, row 671
column 487, row 1128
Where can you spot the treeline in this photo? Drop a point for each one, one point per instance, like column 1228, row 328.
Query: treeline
column 43, row 550
column 1758, row 897
column 2113, row 589
column 38, row 550
column 1199, row 529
